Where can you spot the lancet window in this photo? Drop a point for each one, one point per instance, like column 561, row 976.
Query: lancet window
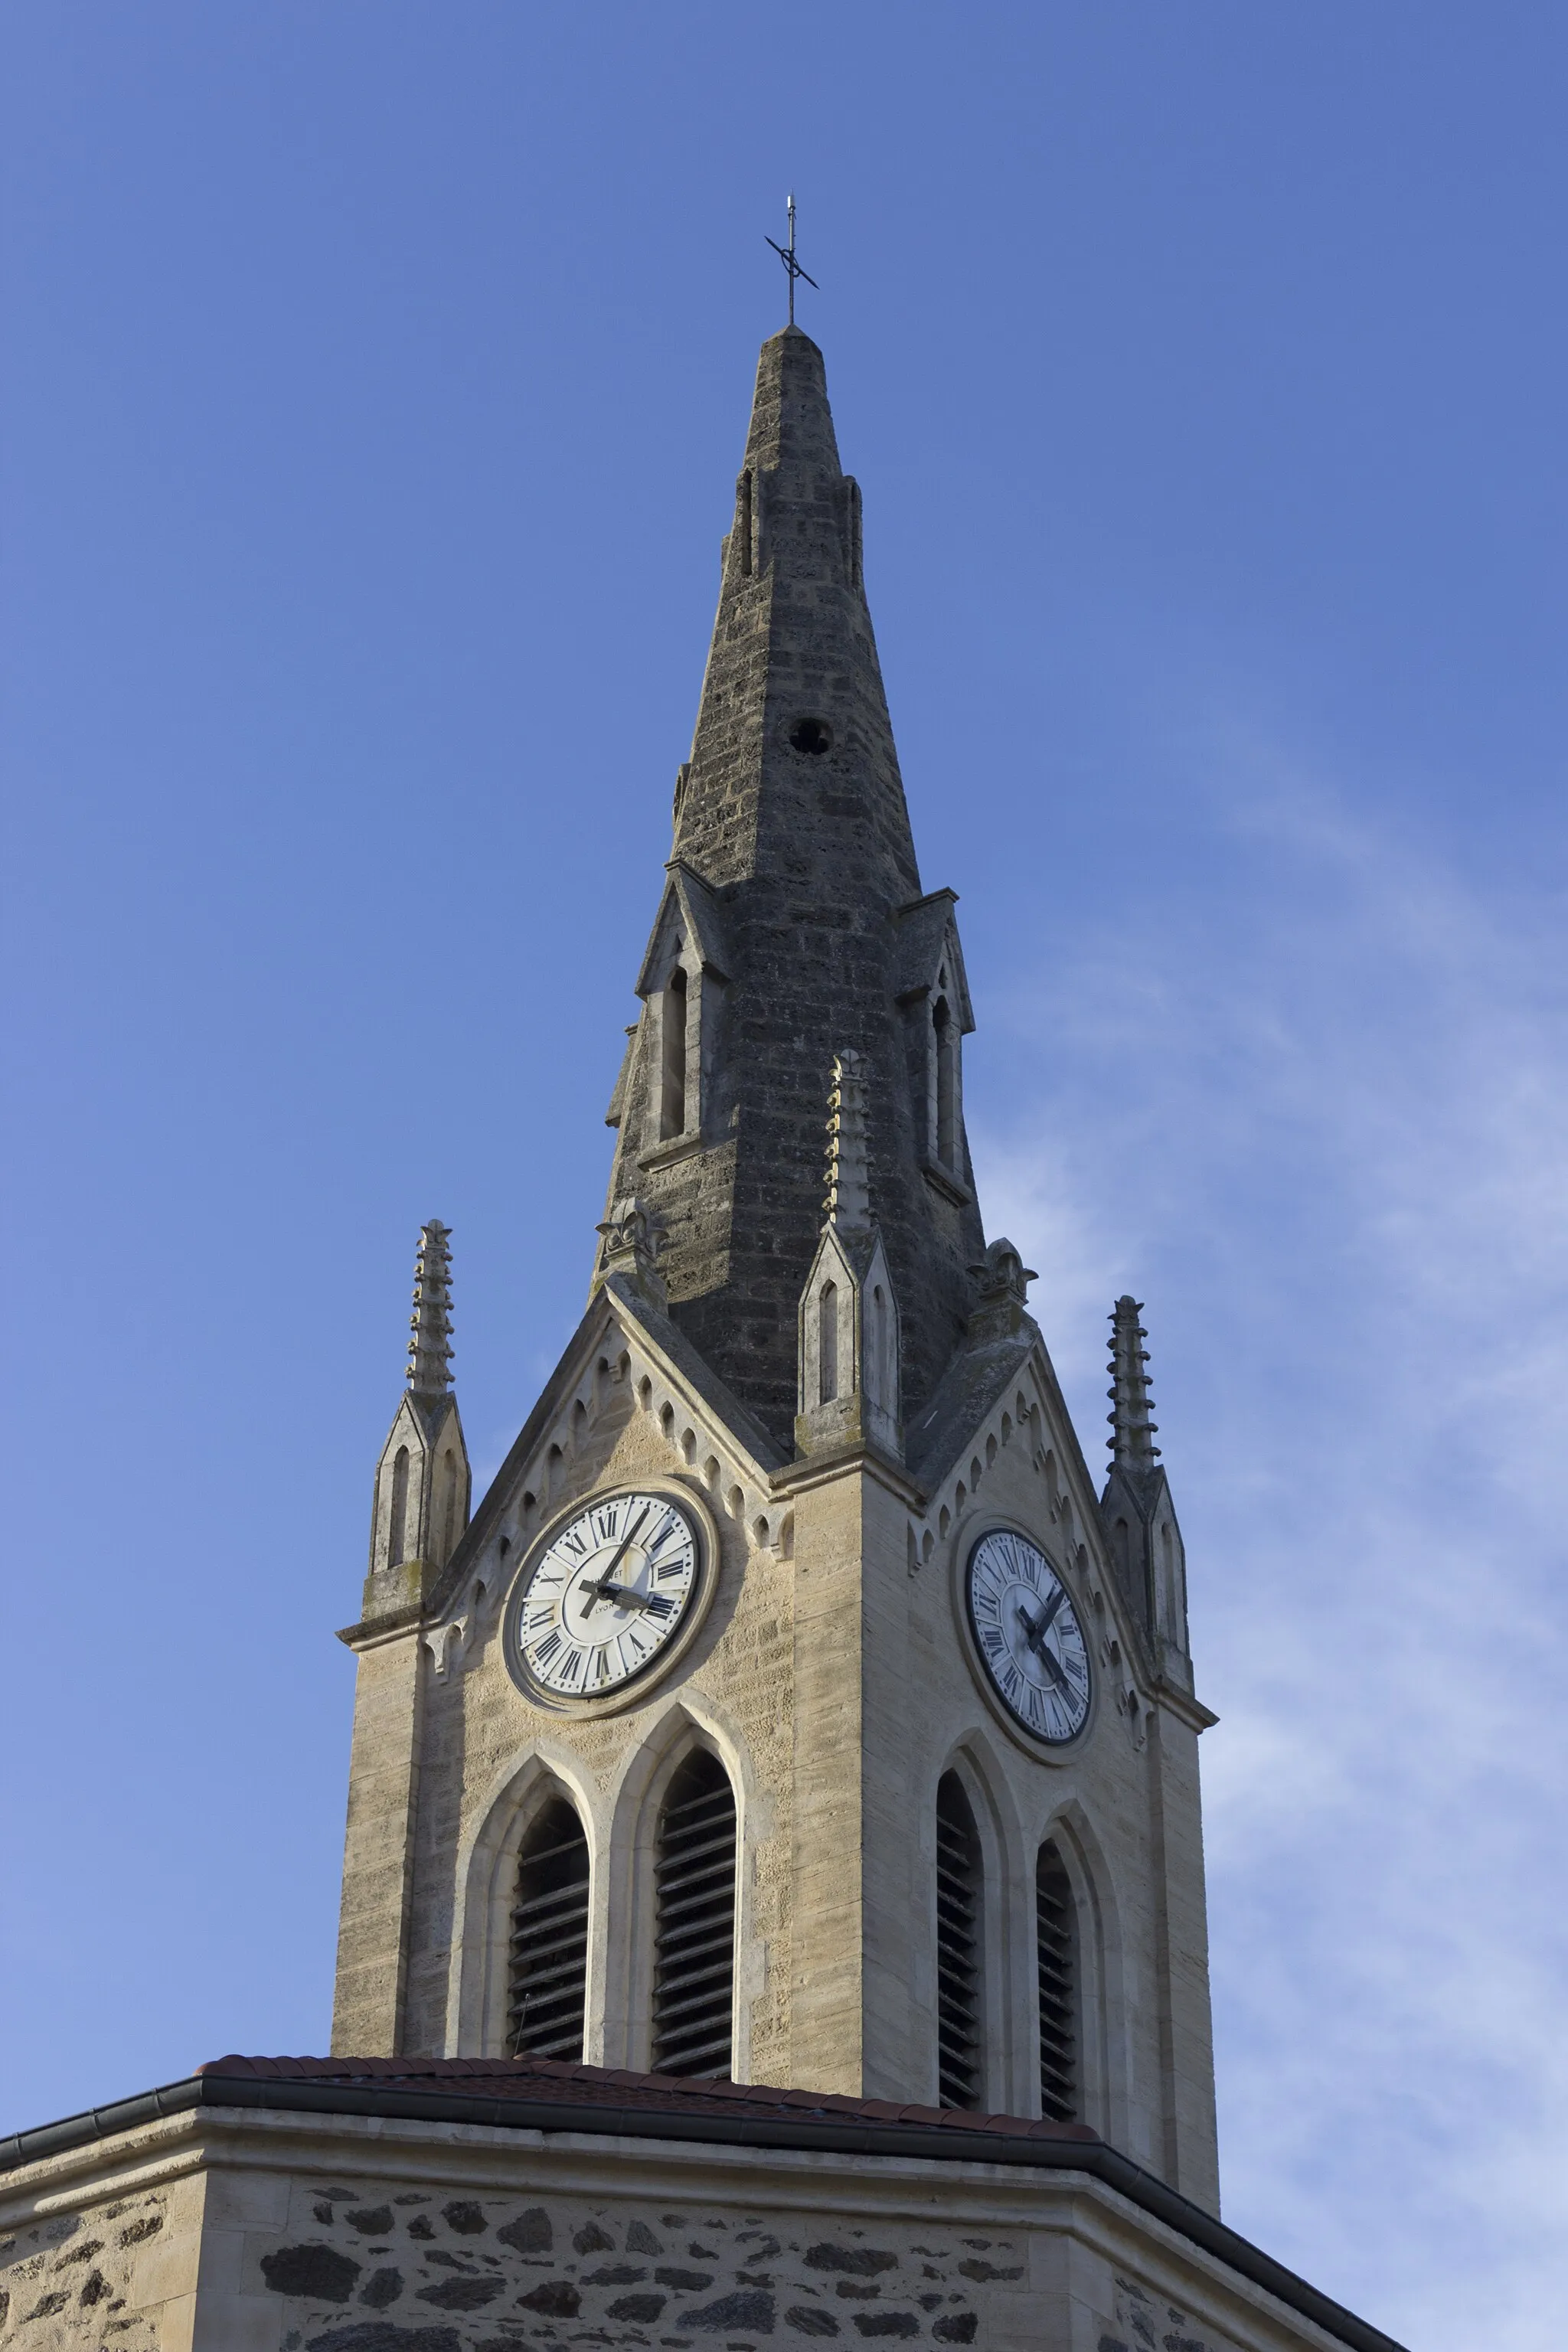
column 959, row 1890
column 827, row 1351
column 1055, row 1929
column 674, row 1023
column 448, row 1503
column 694, row 1929
column 945, row 1057
column 397, row 1530
column 549, row 1937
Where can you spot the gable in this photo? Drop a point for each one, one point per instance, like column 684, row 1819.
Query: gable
column 929, row 958
column 689, row 911
column 623, row 1358
column 999, row 1405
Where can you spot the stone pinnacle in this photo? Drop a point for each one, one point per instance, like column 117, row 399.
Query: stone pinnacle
column 429, row 1350
column 848, row 1202
column 1131, row 1439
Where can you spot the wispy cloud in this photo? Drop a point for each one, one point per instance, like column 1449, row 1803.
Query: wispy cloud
column 1319, row 1121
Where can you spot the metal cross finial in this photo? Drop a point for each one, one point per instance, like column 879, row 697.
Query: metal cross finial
column 792, row 266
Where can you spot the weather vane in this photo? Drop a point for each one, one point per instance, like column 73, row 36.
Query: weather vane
column 792, row 266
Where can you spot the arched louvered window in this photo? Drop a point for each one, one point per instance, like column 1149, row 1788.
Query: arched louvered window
column 958, row 1980
column 549, row 1937
column 1056, row 1918
column 694, row 1929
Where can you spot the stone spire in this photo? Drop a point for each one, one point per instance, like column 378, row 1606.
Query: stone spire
column 429, row 1350
column 1131, row 1440
column 848, row 1202
column 792, row 928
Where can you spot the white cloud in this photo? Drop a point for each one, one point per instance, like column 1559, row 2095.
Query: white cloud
column 1322, row 1127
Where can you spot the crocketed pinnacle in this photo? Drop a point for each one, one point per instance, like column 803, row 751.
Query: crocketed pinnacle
column 848, row 1202
column 429, row 1350
column 1131, row 1439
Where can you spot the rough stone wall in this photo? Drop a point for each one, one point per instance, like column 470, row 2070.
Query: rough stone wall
column 477, row 2274
column 119, row 2271
column 811, row 855
column 230, row 2230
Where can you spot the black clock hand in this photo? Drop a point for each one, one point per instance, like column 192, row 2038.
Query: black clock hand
column 1035, row 1631
column 625, row 1594
column 596, row 1586
column 1048, row 1614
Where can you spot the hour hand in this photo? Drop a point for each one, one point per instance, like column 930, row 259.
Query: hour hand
column 623, row 1595
column 1035, row 1634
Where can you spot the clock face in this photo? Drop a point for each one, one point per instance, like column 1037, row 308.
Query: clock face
column 609, row 1595
column 1029, row 1638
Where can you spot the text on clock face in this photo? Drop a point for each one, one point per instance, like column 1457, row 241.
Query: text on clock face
column 1028, row 1635
column 608, row 1594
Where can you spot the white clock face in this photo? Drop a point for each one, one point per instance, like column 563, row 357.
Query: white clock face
column 609, row 1595
column 1030, row 1641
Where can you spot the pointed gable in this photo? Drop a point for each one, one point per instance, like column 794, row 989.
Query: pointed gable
column 690, row 920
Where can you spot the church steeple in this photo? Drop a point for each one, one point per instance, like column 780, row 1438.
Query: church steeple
column 922, row 1701
column 792, row 927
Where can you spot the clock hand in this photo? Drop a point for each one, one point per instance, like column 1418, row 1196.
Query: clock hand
column 1052, row 1605
column 597, row 1588
column 1035, row 1634
column 625, row 1594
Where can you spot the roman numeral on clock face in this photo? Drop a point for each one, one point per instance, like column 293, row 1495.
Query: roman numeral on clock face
column 608, row 1596
column 1027, row 1635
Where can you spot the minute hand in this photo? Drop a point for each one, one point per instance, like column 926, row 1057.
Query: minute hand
column 597, row 1585
column 1035, row 1631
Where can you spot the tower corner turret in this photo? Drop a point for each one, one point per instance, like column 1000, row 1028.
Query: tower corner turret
column 1140, row 1517
column 423, row 1482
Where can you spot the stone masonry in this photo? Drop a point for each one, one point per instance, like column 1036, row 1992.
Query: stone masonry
column 791, row 816
column 301, row 2225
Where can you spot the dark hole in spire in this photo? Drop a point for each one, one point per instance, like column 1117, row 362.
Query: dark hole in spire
column 814, row 735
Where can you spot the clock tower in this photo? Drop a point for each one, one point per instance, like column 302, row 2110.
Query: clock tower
column 796, row 1707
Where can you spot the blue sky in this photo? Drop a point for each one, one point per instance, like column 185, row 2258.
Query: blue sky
column 374, row 384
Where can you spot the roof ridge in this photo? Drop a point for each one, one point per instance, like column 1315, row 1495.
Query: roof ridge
column 594, row 2086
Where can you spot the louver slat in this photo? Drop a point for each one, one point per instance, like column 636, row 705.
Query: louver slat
column 957, row 1948
column 694, row 1948
column 1056, row 1939
column 550, row 1937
